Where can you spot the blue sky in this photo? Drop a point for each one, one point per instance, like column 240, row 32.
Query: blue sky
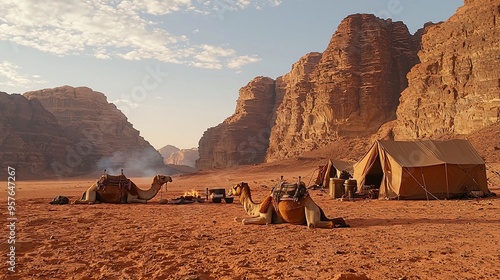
column 175, row 67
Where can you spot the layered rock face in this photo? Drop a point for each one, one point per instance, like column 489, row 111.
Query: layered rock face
column 167, row 150
column 100, row 135
column 31, row 138
column 186, row 157
column 456, row 87
column 175, row 156
column 243, row 137
column 351, row 89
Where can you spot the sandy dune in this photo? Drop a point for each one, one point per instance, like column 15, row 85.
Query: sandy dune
column 457, row 239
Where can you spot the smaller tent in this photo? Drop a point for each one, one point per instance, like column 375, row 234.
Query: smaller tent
column 422, row 169
column 332, row 169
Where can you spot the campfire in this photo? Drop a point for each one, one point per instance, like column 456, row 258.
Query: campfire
column 191, row 195
column 188, row 197
column 210, row 195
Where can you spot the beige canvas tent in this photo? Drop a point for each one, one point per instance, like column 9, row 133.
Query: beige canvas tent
column 332, row 169
column 422, row 169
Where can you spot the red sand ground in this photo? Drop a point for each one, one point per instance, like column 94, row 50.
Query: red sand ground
column 446, row 239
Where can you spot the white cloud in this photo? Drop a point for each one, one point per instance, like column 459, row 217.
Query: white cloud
column 120, row 103
column 221, row 6
column 238, row 62
column 10, row 75
column 125, row 29
column 155, row 7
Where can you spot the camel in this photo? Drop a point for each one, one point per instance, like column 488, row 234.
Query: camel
column 302, row 211
column 115, row 194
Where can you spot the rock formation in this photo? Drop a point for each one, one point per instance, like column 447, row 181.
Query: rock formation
column 186, row 157
column 167, row 150
column 243, row 137
column 31, row 139
column 351, row 89
column 175, row 156
column 100, row 135
column 456, row 87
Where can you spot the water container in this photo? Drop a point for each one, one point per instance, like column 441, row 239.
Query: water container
column 336, row 187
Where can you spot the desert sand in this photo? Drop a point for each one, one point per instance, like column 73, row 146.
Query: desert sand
column 445, row 239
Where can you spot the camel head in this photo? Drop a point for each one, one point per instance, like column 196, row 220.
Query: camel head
column 162, row 179
column 237, row 189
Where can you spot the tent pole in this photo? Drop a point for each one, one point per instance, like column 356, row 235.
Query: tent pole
column 425, row 186
column 447, row 184
column 422, row 186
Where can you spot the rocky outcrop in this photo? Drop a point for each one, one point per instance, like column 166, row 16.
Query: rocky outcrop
column 186, row 157
column 31, row 139
column 243, row 137
column 456, row 87
column 351, row 89
column 175, row 156
column 100, row 135
column 167, row 150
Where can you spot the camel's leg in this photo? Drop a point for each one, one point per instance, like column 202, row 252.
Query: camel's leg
column 90, row 197
column 313, row 217
column 135, row 199
column 339, row 222
column 254, row 221
column 325, row 224
column 262, row 219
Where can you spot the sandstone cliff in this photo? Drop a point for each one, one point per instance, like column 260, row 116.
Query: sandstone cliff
column 243, row 137
column 351, row 89
column 456, row 87
column 100, row 135
column 31, row 139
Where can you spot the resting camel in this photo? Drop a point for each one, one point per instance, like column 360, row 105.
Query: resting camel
column 112, row 194
column 303, row 211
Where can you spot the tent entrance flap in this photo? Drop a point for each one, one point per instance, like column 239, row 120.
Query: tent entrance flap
column 375, row 174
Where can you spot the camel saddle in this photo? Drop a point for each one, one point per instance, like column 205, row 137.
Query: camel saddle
column 111, row 183
column 292, row 193
column 289, row 191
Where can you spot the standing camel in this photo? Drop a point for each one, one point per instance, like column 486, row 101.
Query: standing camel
column 114, row 194
column 302, row 211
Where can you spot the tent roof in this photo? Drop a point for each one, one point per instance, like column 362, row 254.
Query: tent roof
column 341, row 165
column 430, row 152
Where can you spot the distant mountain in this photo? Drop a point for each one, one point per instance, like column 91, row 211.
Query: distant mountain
column 175, row 156
column 100, row 136
column 166, row 151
